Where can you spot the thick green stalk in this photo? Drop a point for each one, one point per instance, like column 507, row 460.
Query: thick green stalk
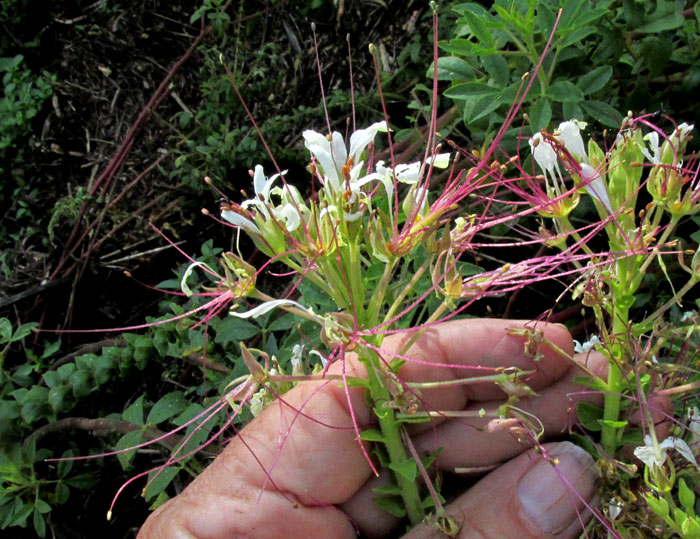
column 391, row 431
column 622, row 292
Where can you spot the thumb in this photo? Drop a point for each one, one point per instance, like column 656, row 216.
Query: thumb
column 529, row 497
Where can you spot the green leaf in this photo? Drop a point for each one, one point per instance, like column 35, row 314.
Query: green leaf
column 595, row 79
column 467, row 269
column 391, row 505
column 686, row 497
column 572, row 110
column 613, row 424
column 134, row 413
column 656, row 52
column 50, row 349
column 5, row 325
column 408, row 469
column 168, row 406
column 158, row 480
column 51, row 378
column 602, row 112
column 39, row 524
column 476, row 16
column 497, row 67
column 21, row 516
column 372, row 435
column 57, row 398
column 234, row 330
column 632, row 436
column 130, row 439
column 666, row 17
column 62, row 493
column 577, row 36
column 82, row 481
column 23, row 331
column 540, row 114
column 283, row 323
column 690, row 528
column 65, row 466
column 65, row 371
column 465, row 47
column 470, row 90
column 42, row 506
column 35, row 404
column 81, row 382
column 388, row 490
column 564, row 92
column 589, row 416
column 657, row 505
column 452, row 68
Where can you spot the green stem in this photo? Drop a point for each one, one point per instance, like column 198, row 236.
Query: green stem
column 391, row 431
column 398, row 301
column 620, row 317
column 377, row 299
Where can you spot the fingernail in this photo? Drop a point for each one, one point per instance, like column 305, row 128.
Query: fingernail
column 546, row 500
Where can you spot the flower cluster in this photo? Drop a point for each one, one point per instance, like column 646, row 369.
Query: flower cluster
column 279, row 219
column 566, row 143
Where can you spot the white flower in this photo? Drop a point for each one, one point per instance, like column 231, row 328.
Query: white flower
column 586, row 346
column 595, row 185
column 324, row 360
column 546, row 157
column 683, row 131
column 614, row 508
column 653, row 139
column 688, row 315
column 297, row 352
column 333, row 156
column 410, row 173
column 569, row 135
column 656, row 456
column 257, row 402
column 262, row 186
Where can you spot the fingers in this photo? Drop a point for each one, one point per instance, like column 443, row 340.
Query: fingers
column 477, row 347
column 482, row 442
column 529, row 497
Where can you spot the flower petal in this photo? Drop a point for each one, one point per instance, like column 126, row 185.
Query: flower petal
column 682, row 447
column 595, row 185
column 259, row 180
column 266, row 307
column 441, row 160
column 648, row 456
column 569, row 135
column 543, row 153
column 362, row 137
column 236, row 219
column 408, row 173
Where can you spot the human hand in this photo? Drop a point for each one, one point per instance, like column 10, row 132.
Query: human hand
column 292, row 474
